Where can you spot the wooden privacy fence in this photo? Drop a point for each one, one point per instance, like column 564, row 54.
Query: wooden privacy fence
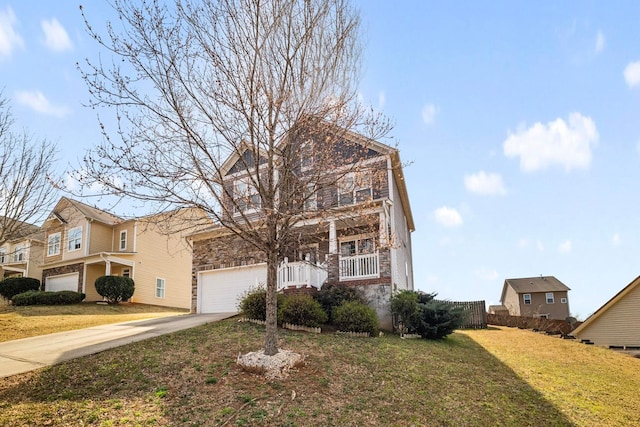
column 476, row 314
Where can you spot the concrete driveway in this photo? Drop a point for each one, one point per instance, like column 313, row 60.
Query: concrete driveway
column 27, row 354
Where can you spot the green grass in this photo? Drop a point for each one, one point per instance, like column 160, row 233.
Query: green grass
column 23, row 322
column 498, row 377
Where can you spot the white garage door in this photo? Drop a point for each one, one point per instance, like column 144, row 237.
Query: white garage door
column 64, row 282
column 219, row 290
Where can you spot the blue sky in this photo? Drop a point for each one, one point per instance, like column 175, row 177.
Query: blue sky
column 520, row 121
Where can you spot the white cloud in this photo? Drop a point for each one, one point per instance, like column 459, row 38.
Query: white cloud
column 523, row 243
column 55, row 36
column 565, row 247
column 429, row 113
column 38, row 102
column 448, row 217
column 600, row 42
column 558, row 142
column 9, row 37
column 615, row 239
column 485, row 183
column 540, row 246
column 632, row 74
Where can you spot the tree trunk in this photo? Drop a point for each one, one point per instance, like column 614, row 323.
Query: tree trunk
column 271, row 335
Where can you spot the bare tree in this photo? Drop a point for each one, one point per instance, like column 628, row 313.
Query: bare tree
column 195, row 82
column 26, row 184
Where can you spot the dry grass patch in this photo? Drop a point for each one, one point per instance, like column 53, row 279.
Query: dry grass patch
column 191, row 378
column 591, row 386
column 23, row 322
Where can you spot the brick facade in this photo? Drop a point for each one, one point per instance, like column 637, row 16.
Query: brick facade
column 64, row 269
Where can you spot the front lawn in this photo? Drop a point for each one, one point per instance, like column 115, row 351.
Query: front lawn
column 29, row 321
column 494, row 377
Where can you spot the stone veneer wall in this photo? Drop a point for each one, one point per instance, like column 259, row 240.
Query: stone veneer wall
column 64, row 269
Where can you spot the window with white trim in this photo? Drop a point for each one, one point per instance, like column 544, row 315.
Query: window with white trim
column 526, row 298
column 311, row 198
column 544, row 316
column 159, row 287
column 75, row 239
column 18, row 254
column 53, row 244
column 123, row 240
column 245, row 195
column 3, row 254
column 354, row 187
column 358, row 246
column 305, row 151
column 126, row 272
column 549, row 297
column 563, row 300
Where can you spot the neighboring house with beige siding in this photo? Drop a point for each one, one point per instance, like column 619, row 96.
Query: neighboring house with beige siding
column 83, row 243
column 21, row 256
column 543, row 296
column 617, row 323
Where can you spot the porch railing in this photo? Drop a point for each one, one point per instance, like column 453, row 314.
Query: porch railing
column 359, row 266
column 300, row 274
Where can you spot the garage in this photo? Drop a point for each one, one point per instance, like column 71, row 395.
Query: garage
column 63, row 282
column 219, row 290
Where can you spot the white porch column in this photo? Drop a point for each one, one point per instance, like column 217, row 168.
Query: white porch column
column 107, row 270
column 333, row 240
column 382, row 229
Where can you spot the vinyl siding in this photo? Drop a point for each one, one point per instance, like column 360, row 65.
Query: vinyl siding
column 512, row 301
column 92, row 271
column 129, row 227
column 400, row 255
column 166, row 257
column 101, row 238
column 619, row 325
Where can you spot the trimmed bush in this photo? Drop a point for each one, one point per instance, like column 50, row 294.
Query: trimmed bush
column 253, row 304
column 48, row 298
column 331, row 296
column 354, row 316
column 17, row 285
column 115, row 288
column 404, row 306
column 302, row 310
column 420, row 313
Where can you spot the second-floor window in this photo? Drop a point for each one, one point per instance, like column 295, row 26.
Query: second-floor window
column 245, row 195
column 3, row 254
column 311, row 198
column 354, row 187
column 53, row 244
column 550, row 299
column 18, row 254
column 526, row 298
column 75, row 238
column 123, row 240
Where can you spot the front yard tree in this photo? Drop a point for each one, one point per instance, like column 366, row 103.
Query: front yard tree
column 26, row 169
column 193, row 82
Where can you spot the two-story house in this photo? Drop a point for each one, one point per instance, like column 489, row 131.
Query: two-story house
column 83, row 243
column 355, row 230
column 543, row 296
column 21, row 255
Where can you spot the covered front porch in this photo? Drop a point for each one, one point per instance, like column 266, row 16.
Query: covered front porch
column 105, row 264
column 338, row 250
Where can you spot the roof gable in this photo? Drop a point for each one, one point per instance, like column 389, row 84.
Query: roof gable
column 87, row 211
column 530, row 285
column 606, row 306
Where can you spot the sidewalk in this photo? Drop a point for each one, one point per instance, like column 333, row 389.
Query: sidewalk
column 32, row 353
